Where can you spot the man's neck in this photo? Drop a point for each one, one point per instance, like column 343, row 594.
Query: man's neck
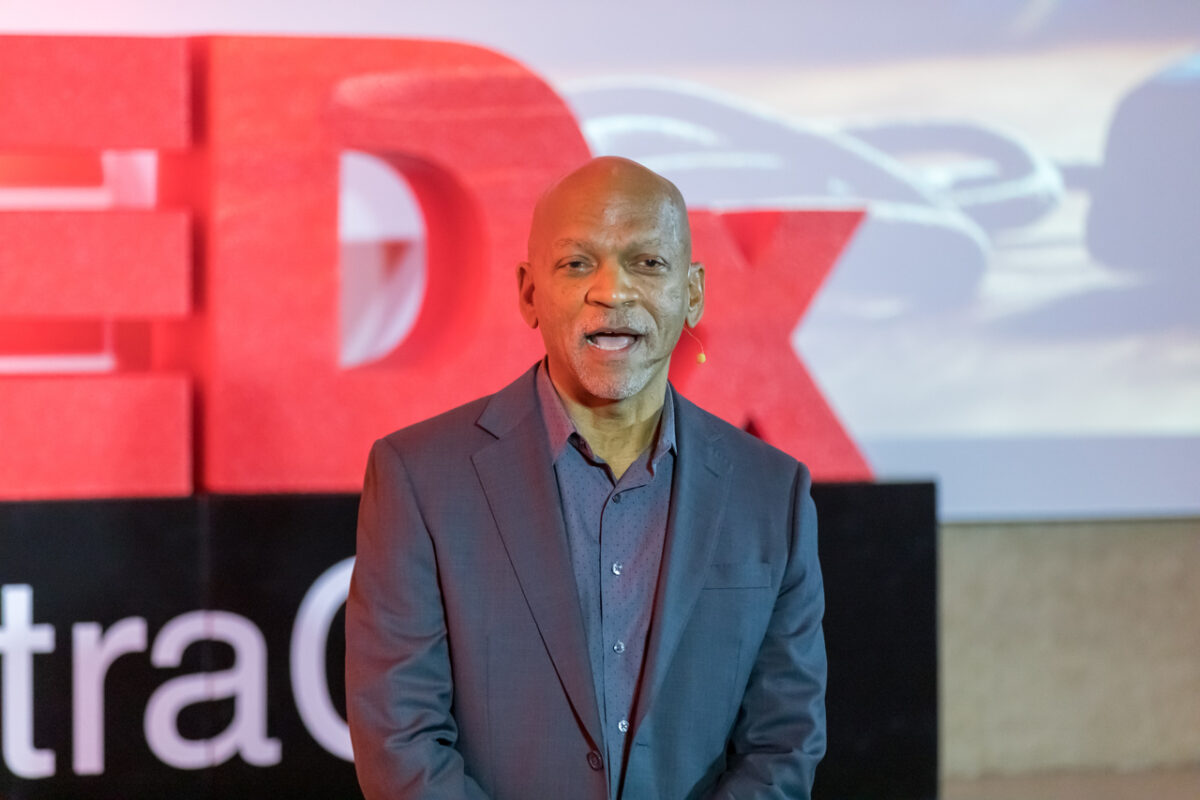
column 620, row 430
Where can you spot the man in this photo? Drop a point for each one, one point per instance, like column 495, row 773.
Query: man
column 584, row 586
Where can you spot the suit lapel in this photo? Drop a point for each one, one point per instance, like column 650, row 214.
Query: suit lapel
column 518, row 479
column 698, row 495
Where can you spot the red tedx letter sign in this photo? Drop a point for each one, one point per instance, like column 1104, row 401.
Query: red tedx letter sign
column 254, row 159
column 105, row 281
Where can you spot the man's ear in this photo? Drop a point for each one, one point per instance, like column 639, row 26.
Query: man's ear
column 695, row 293
column 525, row 294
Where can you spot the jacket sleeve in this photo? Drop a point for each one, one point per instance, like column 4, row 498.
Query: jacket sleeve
column 398, row 679
column 779, row 735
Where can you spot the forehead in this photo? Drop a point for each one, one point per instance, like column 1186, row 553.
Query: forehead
column 608, row 213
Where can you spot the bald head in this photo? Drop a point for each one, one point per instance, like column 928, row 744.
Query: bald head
column 611, row 184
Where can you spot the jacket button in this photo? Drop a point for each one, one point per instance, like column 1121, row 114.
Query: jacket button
column 594, row 760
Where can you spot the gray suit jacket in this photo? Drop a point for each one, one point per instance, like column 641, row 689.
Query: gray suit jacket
column 467, row 673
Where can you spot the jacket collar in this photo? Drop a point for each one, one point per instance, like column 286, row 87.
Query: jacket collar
column 698, row 501
column 517, row 475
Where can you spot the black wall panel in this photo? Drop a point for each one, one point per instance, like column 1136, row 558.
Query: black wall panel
column 257, row 557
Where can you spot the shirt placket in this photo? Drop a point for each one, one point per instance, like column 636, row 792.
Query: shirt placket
column 618, row 615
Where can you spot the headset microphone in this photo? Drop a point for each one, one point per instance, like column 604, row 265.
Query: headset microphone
column 701, row 358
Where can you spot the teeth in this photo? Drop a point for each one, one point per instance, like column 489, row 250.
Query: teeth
column 611, row 341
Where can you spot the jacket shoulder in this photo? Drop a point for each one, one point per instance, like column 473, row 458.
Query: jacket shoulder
column 467, row 427
column 746, row 454
column 439, row 435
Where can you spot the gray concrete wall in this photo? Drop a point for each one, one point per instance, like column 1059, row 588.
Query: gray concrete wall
column 1069, row 646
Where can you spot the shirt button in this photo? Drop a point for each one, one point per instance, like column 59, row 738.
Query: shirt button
column 617, row 567
column 594, row 760
column 619, row 647
column 623, row 726
column 617, row 497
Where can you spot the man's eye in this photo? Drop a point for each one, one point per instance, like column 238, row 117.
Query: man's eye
column 651, row 262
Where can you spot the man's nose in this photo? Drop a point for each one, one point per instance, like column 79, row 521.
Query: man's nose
column 611, row 285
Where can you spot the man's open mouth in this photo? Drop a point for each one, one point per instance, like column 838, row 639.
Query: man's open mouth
column 613, row 339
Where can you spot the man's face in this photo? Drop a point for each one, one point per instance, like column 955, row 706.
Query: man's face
column 609, row 281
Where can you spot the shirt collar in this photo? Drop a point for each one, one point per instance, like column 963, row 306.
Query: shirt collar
column 561, row 431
